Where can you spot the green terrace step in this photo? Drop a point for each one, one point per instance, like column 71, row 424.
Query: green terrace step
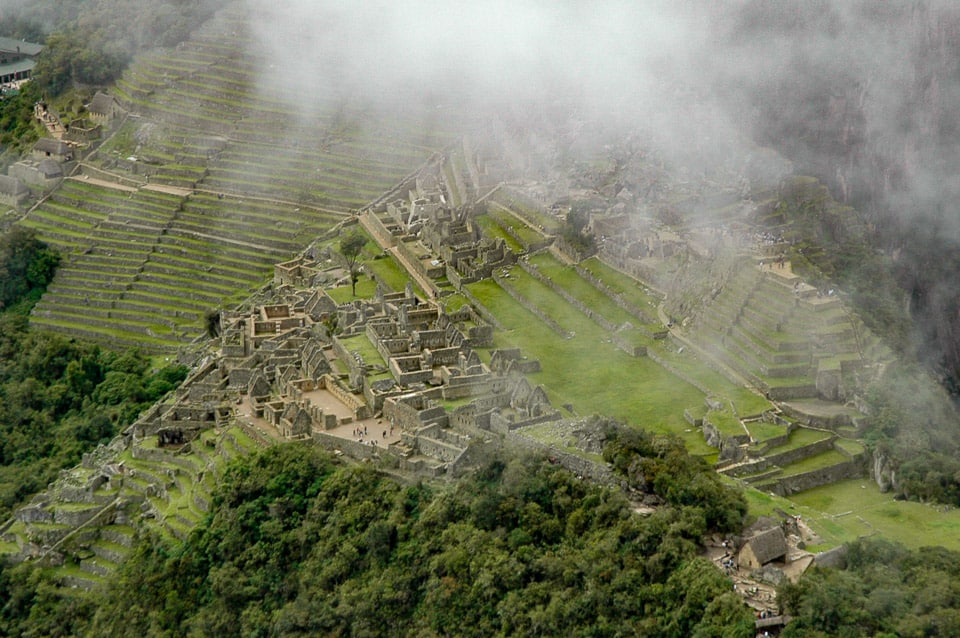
column 107, row 550
column 149, row 295
column 212, row 243
column 93, row 318
column 263, row 229
column 154, row 307
column 68, row 241
column 196, row 285
column 761, row 350
column 65, row 208
column 120, row 316
column 238, row 263
column 198, row 280
column 116, row 338
column 239, row 274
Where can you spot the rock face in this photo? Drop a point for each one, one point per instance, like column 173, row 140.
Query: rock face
column 883, row 473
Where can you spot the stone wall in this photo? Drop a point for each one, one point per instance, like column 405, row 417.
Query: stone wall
column 334, row 387
column 580, row 466
column 354, row 449
column 482, row 310
column 788, row 485
column 503, row 425
column 597, row 318
column 376, row 227
column 532, row 307
column 791, row 456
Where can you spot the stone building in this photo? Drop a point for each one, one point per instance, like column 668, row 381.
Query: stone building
column 42, row 174
column 17, row 59
column 49, row 148
column 762, row 548
column 103, row 108
column 13, row 192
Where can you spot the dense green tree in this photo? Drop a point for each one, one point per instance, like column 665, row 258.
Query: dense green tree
column 26, row 264
column 886, row 590
column 298, row 544
column 59, row 398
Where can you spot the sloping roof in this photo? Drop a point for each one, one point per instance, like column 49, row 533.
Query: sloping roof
column 20, row 66
column 52, row 146
column 102, row 104
column 26, row 48
column 768, row 545
column 11, row 185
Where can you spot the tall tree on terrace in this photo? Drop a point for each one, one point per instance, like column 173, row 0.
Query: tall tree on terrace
column 351, row 245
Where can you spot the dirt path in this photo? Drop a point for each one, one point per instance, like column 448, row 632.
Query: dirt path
column 104, row 183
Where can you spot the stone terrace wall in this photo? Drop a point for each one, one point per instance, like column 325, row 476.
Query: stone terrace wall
column 532, row 307
column 788, row 485
column 616, row 298
column 597, row 472
column 482, row 310
column 790, row 456
column 598, row 319
column 679, row 374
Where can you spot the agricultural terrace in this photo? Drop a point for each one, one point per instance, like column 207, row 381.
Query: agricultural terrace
column 255, row 184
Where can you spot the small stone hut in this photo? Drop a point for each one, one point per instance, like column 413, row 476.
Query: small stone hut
column 762, row 548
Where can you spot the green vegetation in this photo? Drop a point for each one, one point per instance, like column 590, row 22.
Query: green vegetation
column 886, row 590
column 26, row 266
column 351, row 246
column 18, row 129
column 298, row 544
column 588, row 371
column 59, row 398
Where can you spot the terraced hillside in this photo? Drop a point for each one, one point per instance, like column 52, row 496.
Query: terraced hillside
column 585, row 324
column 144, row 266
column 797, row 344
column 86, row 522
column 205, row 185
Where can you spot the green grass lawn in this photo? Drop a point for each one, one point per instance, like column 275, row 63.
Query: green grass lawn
column 844, row 511
column 571, row 281
column 725, row 422
column 762, row 431
column 799, row 438
column 366, row 289
column 490, row 228
column 507, row 219
column 593, row 375
column 389, row 271
column 360, row 343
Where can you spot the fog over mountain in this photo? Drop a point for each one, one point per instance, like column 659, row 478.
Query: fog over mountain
column 857, row 93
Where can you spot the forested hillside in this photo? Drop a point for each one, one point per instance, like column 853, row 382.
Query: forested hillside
column 58, row 397
column 301, row 545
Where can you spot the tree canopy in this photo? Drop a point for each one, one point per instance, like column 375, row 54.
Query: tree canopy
column 299, row 544
column 27, row 265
